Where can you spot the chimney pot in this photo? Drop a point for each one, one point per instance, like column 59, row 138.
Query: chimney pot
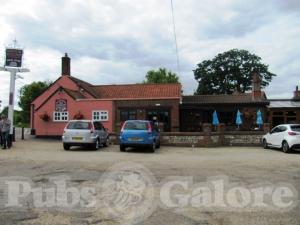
column 66, row 65
column 297, row 93
column 256, row 87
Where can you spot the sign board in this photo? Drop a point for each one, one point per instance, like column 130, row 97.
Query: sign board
column 13, row 57
column 60, row 105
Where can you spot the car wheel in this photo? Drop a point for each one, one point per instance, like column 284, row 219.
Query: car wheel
column 106, row 143
column 96, row 145
column 122, row 148
column 265, row 144
column 285, row 147
column 153, row 147
column 66, row 147
column 158, row 144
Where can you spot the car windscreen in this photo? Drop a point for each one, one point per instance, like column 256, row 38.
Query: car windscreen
column 79, row 125
column 136, row 125
column 295, row 128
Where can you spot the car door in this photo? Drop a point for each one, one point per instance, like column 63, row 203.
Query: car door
column 277, row 137
column 102, row 133
column 280, row 135
column 97, row 130
column 273, row 136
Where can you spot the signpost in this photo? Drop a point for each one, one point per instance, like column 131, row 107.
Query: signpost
column 13, row 64
column 13, row 57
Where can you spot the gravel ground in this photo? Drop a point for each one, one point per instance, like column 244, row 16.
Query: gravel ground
column 41, row 160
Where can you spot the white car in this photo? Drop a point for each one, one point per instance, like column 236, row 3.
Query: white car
column 85, row 133
column 286, row 137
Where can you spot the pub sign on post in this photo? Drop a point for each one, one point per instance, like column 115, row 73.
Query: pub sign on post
column 13, row 57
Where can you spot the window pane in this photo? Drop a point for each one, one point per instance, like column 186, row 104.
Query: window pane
column 100, row 115
column 79, row 125
column 60, row 116
column 295, row 128
column 136, row 125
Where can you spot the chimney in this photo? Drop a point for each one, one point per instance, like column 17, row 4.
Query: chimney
column 297, row 93
column 256, row 87
column 65, row 65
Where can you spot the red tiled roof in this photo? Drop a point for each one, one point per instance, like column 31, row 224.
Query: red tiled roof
column 86, row 86
column 130, row 91
column 74, row 94
column 138, row 91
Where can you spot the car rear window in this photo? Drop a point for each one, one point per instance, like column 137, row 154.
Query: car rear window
column 295, row 128
column 79, row 125
column 136, row 125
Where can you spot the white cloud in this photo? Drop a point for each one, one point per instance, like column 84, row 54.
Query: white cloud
column 118, row 41
column 99, row 72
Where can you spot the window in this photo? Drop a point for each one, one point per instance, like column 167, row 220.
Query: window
column 282, row 128
column 60, row 116
column 100, row 115
column 127, row 115
column 277, row 113
column 136, row 125
column 278, row 129
column 79, row 125
column 161, row 117
column 295, row 128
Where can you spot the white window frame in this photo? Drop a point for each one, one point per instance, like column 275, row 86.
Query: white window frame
column 60, row 116
column 103, row 115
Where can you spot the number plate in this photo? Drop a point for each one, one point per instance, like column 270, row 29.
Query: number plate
column 77, row 138
column 135, row 139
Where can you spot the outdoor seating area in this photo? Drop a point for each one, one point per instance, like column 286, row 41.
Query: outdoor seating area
column 256, row 126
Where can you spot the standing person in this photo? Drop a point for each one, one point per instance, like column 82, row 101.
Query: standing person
column 5, row 131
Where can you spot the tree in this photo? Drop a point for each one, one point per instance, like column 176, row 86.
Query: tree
column 161, row 76
column 27, row 94
column 230, row 71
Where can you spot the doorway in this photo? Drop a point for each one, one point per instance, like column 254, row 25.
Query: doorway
column 162, row 116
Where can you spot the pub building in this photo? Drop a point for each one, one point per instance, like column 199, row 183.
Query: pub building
column 72, row 98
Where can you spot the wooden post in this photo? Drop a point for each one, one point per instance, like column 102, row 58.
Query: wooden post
column 14, row 134
column 22, row 133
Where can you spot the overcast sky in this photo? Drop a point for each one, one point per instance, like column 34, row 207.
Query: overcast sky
column 118, row 41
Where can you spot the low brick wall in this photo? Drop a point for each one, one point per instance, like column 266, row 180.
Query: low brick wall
column 190, row 139
column 204, row 139
column 243, row 138
column 214, row 139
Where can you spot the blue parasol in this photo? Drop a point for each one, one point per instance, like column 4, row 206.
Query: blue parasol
column 238, row 119
column 215, row 121
column 259, row 119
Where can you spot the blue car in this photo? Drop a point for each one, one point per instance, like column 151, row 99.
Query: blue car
column 139, row 133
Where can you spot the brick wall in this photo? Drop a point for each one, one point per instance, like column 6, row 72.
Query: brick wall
column 208, row 138
column 214, row 139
